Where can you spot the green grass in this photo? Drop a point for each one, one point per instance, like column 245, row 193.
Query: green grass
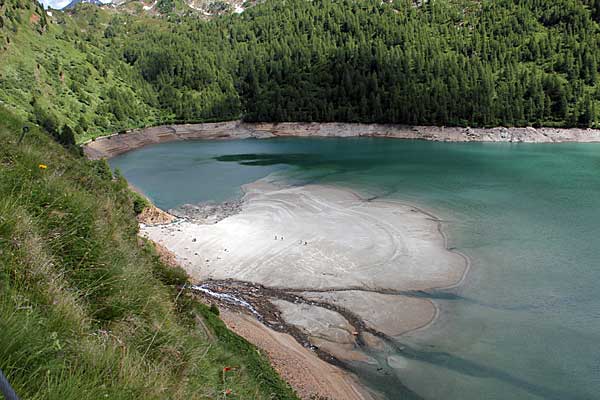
column 87, row 309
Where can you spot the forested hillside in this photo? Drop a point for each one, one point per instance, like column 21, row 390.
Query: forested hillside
column 477, row 63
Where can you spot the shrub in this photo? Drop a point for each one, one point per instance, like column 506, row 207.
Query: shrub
column 139, row 203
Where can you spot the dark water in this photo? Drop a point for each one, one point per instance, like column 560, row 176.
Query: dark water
column 526, row 323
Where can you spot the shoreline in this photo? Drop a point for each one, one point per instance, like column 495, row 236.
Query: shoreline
column 119, row 143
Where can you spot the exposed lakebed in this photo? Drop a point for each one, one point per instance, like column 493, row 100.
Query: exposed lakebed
column 526, row 321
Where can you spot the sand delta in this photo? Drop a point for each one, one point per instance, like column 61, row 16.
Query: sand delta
column 305, row 372
column 351, row 264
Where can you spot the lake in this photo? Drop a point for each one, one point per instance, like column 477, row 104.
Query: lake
column 525, row 324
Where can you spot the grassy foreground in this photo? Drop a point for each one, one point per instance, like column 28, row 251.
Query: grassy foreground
column 87, row 309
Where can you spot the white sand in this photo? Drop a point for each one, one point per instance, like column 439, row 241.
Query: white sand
column 326, row 329
column 317, row 321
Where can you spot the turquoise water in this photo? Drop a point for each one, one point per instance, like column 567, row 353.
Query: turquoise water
column 526, row 322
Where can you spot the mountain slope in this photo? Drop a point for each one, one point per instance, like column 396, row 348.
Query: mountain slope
column 443, row 63
column 198, row 8
column 56, row 64
column 464, row 63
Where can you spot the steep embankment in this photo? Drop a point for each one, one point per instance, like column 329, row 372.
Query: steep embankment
column 87, row 309
column 110, row 146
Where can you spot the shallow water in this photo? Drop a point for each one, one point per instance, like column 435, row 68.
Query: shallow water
column 526, row 322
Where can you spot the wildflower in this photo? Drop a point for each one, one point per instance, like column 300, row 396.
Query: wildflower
column 227, row 392
column 42, row 166
column 226, row 369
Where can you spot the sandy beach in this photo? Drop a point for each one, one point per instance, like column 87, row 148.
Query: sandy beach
column 340, row 271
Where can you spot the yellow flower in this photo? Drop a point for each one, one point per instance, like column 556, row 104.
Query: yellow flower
column 42, row 166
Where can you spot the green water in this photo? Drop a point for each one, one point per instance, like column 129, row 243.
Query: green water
column 526, row 322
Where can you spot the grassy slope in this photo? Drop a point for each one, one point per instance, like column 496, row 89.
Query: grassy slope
column 87, row 310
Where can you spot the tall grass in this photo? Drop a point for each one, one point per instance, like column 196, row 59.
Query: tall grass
column 87, row 309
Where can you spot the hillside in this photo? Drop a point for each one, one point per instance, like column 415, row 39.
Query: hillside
column 89, row 311
column 194, row 8
column 461, row 63
column 73, row 3
column 55, row 72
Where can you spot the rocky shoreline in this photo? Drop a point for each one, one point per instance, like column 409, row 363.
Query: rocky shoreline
column 112, row 145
